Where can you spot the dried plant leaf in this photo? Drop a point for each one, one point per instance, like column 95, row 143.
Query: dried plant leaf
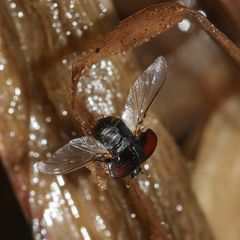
column 217, row 175
column 74, row 206
column 153, row 21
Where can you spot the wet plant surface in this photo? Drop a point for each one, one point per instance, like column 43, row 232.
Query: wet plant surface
column 43, row 98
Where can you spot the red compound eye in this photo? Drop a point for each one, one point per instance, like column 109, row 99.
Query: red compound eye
column 150, row 143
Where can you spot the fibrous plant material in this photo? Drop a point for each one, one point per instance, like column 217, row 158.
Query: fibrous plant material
column 225, row 13
column 218, row 160
column 47, row 35
column 153, row 20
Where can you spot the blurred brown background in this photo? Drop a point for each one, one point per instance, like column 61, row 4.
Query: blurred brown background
column 12, row 222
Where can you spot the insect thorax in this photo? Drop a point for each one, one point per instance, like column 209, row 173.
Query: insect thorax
column 114, row 134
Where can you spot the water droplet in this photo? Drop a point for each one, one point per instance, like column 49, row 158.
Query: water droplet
column 146, row 166
column 20, row 14
column 9, row 82
column 184, row 25
column 179, row 207
column 203, row 13
column 147, row 183
column 13, row 5
column 64, row 61
column 48, row 119
column 10, row 110
column 18, row 91
column 64, row 113
column 12, row 134
column 68, row 33
column 44, row 142
column 68, row 15
column 133, row 215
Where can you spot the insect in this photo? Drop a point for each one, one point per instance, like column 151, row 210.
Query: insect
column 122, row 142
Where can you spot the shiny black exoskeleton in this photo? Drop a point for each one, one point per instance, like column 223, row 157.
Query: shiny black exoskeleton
column 127, row 150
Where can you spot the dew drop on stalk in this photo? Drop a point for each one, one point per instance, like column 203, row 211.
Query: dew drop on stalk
column 184, row 25
column 179, row 207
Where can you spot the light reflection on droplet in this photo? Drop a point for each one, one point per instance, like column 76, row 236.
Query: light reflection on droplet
column 100, row 91
column 71, row 204
column 68, row 15
column 32, row 136
column 64, row 113
column 20, row 14
column 144, row 185
column 32, row 193
column 9, row 82
column 47, row 218
column 85, row 233
column 44, row 141
column 146, row 166
column 43, row 231
column 12, row 134
column 13, row 5
column 79, row 32
column 107, row 233
column 203, row 13
column 184, row 25
column 133, row 215
column 64, row 61
column 56, row 22
column 147, row 183
column 60, row 180
column 13, row 104
column 48, row 119
column 35, row 180
column 15, row 98
column 179, row 207
column 68, row 33
column 34, row 154
column 34, row 123
column 102, row 198
column 102, row 7
column 75, row 211
column 11, row 110
column 100, row 223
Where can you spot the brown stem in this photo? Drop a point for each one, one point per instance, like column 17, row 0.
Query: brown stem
column 143, row 26
column 157, row 231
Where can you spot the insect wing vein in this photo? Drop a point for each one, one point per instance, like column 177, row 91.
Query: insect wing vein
column 143, row 92
column 75, row 154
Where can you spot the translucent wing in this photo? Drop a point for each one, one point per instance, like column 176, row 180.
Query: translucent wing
column 143, row 92
column 75, row 154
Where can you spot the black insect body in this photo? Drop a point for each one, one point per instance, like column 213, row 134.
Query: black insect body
column 119, row 142
column 127, row 150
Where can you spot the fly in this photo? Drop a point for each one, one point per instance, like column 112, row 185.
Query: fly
column 119, row 142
